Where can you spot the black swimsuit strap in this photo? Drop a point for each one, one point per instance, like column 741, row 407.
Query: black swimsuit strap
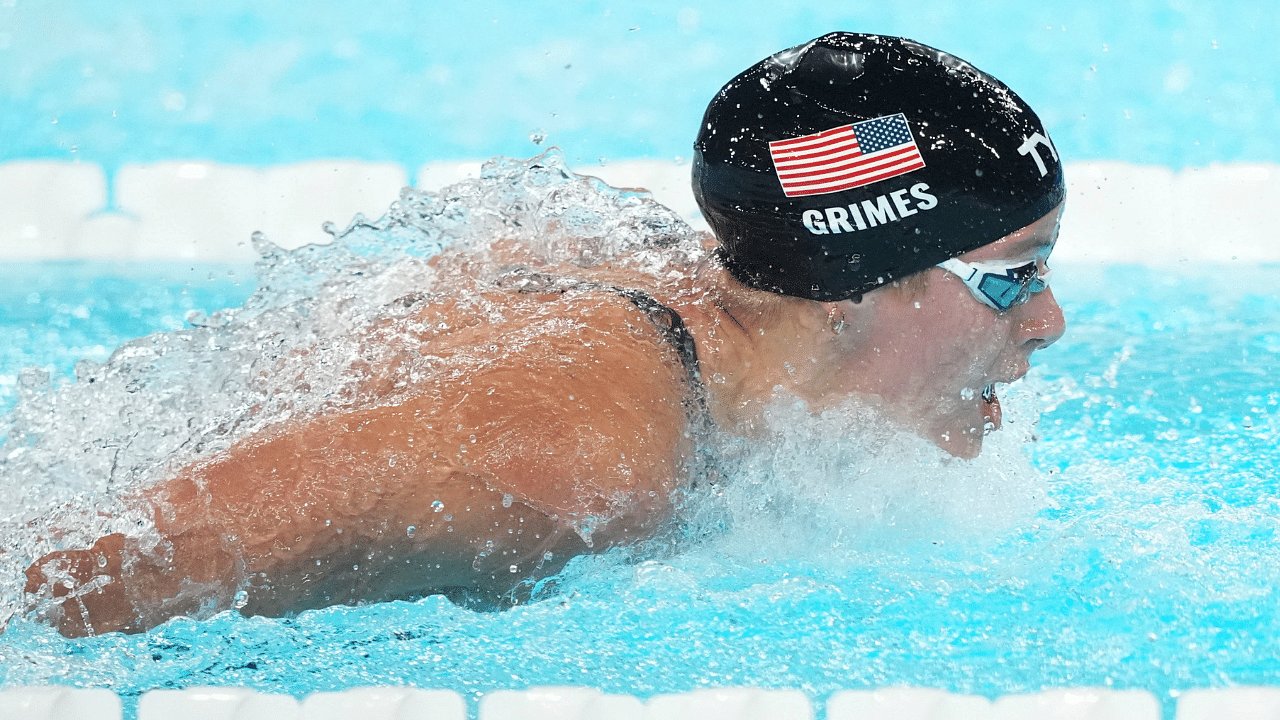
column 668, row 322
column 671, row 327
column 703, row 464
column 696, row 407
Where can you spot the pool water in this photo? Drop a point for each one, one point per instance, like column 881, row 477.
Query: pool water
column 1120, row 531
column 1174, row 83
column 57, row 313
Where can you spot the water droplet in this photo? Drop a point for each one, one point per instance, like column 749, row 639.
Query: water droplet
column 537, row 136
column 241, row 599
column 507, row 499
column 515, row 569
column 437, row 506
column 411, row 530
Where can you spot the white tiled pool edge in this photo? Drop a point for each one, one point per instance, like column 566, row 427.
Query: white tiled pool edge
column 580, row 703
column 206, row 212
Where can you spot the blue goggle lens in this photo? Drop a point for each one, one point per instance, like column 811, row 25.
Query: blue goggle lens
column 1012, row 287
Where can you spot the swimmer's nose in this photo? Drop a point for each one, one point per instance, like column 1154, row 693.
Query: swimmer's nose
column 1042, row 324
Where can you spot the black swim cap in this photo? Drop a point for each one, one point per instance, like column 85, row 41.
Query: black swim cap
column 843, row 164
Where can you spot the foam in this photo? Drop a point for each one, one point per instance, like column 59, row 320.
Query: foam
column 201, row 211
column 838, row 484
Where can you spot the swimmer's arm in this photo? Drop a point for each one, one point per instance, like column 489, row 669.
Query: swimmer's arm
column 451, row 489
column 297, row 522
column 341, row 510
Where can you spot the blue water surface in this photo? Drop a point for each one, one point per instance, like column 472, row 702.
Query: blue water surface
column 53, row 314
column 1167, row 82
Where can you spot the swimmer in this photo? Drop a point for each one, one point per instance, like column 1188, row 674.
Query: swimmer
column 883, row 216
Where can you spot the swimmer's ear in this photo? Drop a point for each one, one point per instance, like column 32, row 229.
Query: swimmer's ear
column 852, row 313
column 823, row 316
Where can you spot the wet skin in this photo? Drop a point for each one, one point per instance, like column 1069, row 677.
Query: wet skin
column 922, row 356
column 928, row 356
column 531, row 415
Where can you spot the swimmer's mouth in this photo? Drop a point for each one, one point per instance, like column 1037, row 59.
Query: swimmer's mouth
column 991, row 413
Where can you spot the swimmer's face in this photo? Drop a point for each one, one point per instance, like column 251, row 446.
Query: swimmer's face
column 930, row 355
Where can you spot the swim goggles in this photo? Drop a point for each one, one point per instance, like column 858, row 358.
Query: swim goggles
column 999, row 285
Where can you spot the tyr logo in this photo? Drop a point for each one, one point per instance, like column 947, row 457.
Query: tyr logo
column 1029, row 147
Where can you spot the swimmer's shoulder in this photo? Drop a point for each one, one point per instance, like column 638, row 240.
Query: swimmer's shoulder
column 572, row 402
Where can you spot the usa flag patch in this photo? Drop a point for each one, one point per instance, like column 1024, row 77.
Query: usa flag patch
column 846, row 157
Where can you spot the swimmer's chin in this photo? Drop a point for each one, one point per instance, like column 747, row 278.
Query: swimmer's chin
column 962, row 444
column 963, row 440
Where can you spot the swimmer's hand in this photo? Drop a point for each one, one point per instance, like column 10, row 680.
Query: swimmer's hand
column 85, row 584
column 112, row 587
